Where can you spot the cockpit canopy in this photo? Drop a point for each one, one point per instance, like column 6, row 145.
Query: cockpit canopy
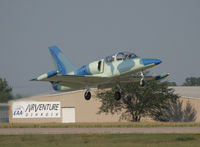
column 110, row 58
column 121, row 56
column 125, row 55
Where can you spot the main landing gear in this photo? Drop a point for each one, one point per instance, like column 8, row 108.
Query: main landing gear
column 117, row 95
column 87, row 95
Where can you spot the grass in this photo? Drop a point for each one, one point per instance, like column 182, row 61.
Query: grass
column 101, row 140
column 100, row 125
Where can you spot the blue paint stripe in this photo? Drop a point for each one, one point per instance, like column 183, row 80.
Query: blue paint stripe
column 150, row 61
column 55, row 52
column 52, row 73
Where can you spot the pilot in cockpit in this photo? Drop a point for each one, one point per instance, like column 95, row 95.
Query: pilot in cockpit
column 125, row 55
column 121, row 56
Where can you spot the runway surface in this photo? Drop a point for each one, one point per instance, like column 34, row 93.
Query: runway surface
column 12, row 131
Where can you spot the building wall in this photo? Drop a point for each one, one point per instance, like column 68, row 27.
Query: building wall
column 85, row 111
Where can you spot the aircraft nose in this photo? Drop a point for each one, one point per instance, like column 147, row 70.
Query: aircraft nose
column 151, row 61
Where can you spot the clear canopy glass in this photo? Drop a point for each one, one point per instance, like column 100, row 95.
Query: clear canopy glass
column 121, row 56
column 125, row 55
column 110, row 58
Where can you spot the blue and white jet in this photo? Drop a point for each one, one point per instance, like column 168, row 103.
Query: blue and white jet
column 112, row 71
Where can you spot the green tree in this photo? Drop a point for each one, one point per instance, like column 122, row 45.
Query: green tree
column 5, row 91
column 192, row 81
column 171, row 83
column 137, row 101
column 18, row 96
column 189, row 113
column 174, row 112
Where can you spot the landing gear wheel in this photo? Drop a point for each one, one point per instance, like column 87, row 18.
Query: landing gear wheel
column 117, row 95
column 87, row 95
column 142, row 83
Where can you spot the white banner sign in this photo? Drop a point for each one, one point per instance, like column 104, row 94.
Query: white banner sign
column 32, row 109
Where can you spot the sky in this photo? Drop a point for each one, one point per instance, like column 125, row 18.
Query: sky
column 90, row 30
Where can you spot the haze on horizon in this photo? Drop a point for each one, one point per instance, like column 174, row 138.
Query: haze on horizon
column 89, row 30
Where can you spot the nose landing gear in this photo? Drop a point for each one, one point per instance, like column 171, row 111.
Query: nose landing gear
column 142, row 82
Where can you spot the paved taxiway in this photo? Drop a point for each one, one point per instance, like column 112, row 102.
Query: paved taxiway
column 16, row 131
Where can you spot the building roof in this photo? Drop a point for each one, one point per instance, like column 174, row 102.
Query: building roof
column 183, row 91
column 187, row 91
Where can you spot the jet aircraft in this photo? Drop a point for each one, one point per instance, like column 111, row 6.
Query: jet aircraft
column 112, row 71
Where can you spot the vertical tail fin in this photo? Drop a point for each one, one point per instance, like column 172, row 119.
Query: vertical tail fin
column 63, row 64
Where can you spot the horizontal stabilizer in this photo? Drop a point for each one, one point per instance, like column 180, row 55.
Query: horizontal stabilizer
column 46, row 75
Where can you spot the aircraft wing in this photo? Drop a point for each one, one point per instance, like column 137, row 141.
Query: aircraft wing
column 136, row 78
column 133, row 79
column 79, row 82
